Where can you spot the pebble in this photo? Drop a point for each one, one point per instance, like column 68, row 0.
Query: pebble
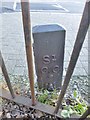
column 24, row 109
column 16, row 107
column 25, row 115
column 8, row 115
column 38, row 114
column 1, row 113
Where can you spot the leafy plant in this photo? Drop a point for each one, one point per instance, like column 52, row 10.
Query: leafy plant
column 43, row 97
column 78, row 107
column 48, row 97
column 74, row 106
column 65, row 114
column 54, row 94
column 75, row 93
column 67, row 111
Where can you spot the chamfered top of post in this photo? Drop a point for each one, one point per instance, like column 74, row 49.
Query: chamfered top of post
column 47, row 28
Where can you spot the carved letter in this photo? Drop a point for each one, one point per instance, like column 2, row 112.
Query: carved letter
column 46, row 59
column 56, row 69
column 53, row 58
column 44, row 69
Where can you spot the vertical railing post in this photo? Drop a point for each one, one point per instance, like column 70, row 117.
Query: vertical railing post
column 28, row 43
column 6, row 76
column 85, row 21
column 84, row 116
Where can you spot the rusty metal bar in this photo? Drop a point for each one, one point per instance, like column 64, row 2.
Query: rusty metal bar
column 16, row 119
column 28, row 43
column 6, row 76
column 21, row 100
column 85, row 21
column 84, row 116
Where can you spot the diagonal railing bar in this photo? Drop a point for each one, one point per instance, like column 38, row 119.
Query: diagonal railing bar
column 28, row 43
column 84, row 116
column 85, row 21
column 6, row 76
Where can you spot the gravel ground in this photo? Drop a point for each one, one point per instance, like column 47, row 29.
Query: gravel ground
column 80, row 83
column 20, row 85
column 12, row 110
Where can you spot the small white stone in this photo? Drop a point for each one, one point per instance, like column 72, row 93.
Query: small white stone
column 8, row 115
column 38, row 114
column 18, row 115
column 1, row 113
column 25, row 115
column 24, row 109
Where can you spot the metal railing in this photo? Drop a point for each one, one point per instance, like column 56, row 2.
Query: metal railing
column 83, row 28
